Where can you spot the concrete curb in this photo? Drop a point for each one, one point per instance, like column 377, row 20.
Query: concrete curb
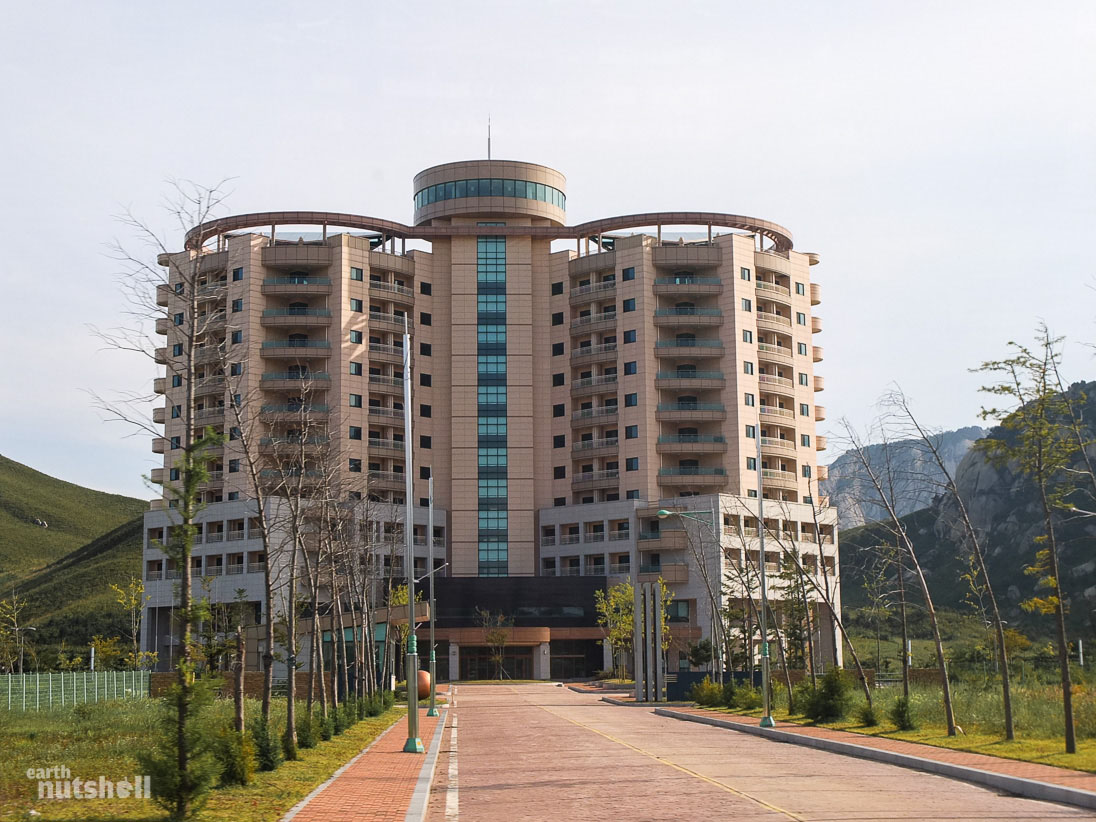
column 1030, row 788
column 416, row 811
column 633, row 704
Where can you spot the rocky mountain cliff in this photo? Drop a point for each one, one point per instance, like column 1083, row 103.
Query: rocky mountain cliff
column 918, row 477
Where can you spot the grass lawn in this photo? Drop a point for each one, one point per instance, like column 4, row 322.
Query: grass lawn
column 105, row 741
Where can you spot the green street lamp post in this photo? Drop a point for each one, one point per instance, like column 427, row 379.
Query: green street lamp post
column 433, row 709
column 411, row 667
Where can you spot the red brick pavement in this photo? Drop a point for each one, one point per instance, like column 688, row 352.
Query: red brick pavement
column 379, row 785
column 1082, row 780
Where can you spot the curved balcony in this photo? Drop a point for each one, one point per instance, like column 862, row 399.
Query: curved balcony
column 693, row 380
column 820, row 443
column 295, row 349
column 594, row 385
column 594, row 291
column 595, row 448
column 688, row 285
column 772, row 291
column 594, row 322
column 819, row 384
column 159, row 415
column 295, row 380
column 774, row 478
column 282, row 317
column 292, row 411
column 381, row 384
column 687, row 256
column 159, row 445
column 387, row 480
column 395, row 322
column 386, row 353
column 692, row 475
column 159, row 356
column 773, row 322
column 162, row 325
column 296, row 286
column 594, row 353
column 772, row 411
column 386, row 416
column 816, row 293
column 159, row 385
column 157, row 475
column 777, row 446
column 816, row 353
column 392, row 291
column 688, row 317
column 594, row 413
column 779, row 385
column 304, row 255
column 694, row 349
column 209, row 385
column 816, row 325
column 774, row 353
column 215, row 290
column 163, row 294
column 292, row 445
column 691, row 444
column 819, row 413
column 690, row 411
column 595, row 479
column 823, row 475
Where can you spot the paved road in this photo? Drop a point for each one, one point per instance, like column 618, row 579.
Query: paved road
column 542, row 752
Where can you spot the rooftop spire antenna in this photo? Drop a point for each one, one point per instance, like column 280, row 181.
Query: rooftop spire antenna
column 488, row 136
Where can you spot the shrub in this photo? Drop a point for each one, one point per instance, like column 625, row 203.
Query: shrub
column 747, row 699
column 327, row 727
column 867, row 715
column 832, row 698
column 338, row 718
column 728, row 696
column 235, row 754
column 802, row 696
column 306, row 732
column 268, row 748
column 706, row 693
column 901, row 715
column 289, row 746
column 360, row 707
column 388, row 699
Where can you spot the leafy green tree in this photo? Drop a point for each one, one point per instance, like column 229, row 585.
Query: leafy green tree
column 700, row 654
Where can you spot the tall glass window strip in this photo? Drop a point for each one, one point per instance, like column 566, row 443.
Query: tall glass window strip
column 490, row 187
column 493, row 525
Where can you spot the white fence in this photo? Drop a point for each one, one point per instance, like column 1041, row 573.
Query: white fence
column 44, row 692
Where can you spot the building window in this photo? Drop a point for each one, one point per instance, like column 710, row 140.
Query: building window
column 176, row 380
column 424, row 472
column 237, row 274
column 802, row 378
column 425, row 349
column 805, row 440
column 355, row 466
column 745, row 274
column 175, row 443
column 557, row 349
column 425, row 319
column 804, row 411
column 630, row 367
column 356, row 305
column 629, row 305
column 750, row 400
column 355, row 400
column 234, row 433
column 178, row 318
column 355, row 432
column 355, row 369
column 747, row 305
column 751, row 463
column 747, row 336
column 559, row 502
column 557, row 318
column 425, row 380
column 559, row 441
column 173, row 474
column 557, row 379
column 233, row 496
column 426, row 288
column 176, row 411
column 355, row 336
column 237, row 306
column 237, row 337
column 631, row 432
column 800, row 318
column 235, row 369
column 630, row 336
column 233, row 466
column 800, row 289
column 177, row 350
column 559, row 472
column 806, row 471
column 632, row 494
column 425, row 441
column 356, row 274
column 747, row 368
column 425, row 410
column 557, row 288
column 628, row 274
column 631, row 464
column 631, row 400
column 751, row 431
column 559, row 410
column 801, row 348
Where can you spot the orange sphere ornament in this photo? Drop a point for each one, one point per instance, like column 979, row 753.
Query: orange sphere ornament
column 424, row 684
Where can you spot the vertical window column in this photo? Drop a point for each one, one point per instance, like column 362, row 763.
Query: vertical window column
column 493, row 525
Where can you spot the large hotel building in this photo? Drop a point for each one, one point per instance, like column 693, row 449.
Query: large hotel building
column 569, row 381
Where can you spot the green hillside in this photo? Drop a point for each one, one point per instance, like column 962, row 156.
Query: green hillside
column 75, row 516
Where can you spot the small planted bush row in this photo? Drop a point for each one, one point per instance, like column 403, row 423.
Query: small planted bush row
column 713, row 695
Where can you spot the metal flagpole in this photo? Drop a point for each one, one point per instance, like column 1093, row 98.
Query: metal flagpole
column 766, row 719
column 411, row 667
column 433, row 709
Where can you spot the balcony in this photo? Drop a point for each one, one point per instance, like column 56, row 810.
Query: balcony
column 781, row 354
column 292, row 255
column 159, row 385
column 234, row 568
column 620, row 535
column 387, row 480
column 159, row 356
column 819, row 413
column 594, row 322
column 212, row 291
column 381, row 352
column 692, row 444
column 777, row 446
column 689, row 380
column 772, row 291
column 595, row 448
column 206, row 354
column 162, row 325
column 620, row 569
column 691, row 348
column 211, row 321
column 293, row 411
column 819, row 384
column 816, row 325
column 595, row 479
column 690, row 411
column 295, row 380
column 665, row 540
column 816, row 293
column 157, row 475
column 773, row 322
column 773, row 478
column 773, row 411
column 397, row 293
column 816, row 353
column 692, row 475
column 159, row 445
column 292, row 445
column 209, row 385
column 390, row 416
column 594, row 413
column 163, row 294
column 820, row 443
column 292, row 477
column 688, row 317
column 294, row 317
column 390, row 447
column 594, row 291
column 688, row 285
column 379, row 383
column 594, row 353
column 298, row 286
column 594, row 385
column 823, row 473
column 205, row 415
column 780, row 385
column 159, row 415
column 670, row 572
column 687, row 256
column 569, row 539
column 295, row 349
column 395, row 322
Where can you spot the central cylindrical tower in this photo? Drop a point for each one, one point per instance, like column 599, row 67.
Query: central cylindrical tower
column 488, row 188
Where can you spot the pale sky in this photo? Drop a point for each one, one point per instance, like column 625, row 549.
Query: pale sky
column 939, row 156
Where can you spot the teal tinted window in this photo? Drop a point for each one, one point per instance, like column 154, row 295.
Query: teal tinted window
column 490, row 187
column 492, row 520
column 492, row 457
column 491, row 303
column 491, row 363
column 492, row 333
column 491, row 426
column 491, row 394
column 492, row 488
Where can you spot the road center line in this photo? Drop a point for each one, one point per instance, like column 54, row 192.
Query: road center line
column 674, row 765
